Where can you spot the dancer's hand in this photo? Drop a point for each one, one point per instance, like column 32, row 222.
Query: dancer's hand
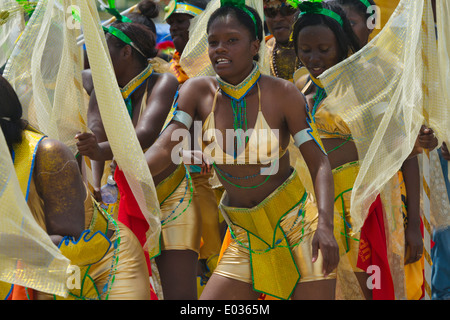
column 324, row 240
column 427, row 139
column 88, row 146
column 445, row 152
column 195, row 157
column 413, row 243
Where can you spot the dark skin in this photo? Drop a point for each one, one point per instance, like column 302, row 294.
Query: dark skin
column 56, row 170
column 161, row 89
column 177, row 283
column 359, row 24
column 280, row 26
column 179, row 29
column 59, row 184
column 231, row 41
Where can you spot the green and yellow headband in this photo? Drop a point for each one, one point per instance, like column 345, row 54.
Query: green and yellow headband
column 241, row 5
column 314, row 7
column 180, row 7
column 123, row 37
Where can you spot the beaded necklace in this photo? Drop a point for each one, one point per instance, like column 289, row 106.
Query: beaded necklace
column 237, row 94
column 319, row 96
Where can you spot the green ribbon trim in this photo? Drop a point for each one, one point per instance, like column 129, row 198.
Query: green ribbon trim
column 315, row 7
column 366, row 3
column 123, row 37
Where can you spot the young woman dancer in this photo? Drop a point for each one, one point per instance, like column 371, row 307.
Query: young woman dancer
column 279, row 246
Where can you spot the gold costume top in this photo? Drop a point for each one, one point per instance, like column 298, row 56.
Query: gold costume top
column 103, row 262
column 328, row 125
column 262, row 135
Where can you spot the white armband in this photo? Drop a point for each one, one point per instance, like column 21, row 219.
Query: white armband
column 301, row 137
column 183, row 117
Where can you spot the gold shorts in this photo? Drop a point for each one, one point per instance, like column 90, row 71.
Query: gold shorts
column 209, row 210
column 181, row 219
column 298, row 224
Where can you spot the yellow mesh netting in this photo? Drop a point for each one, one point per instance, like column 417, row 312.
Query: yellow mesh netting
column 195, row 59
column 118, row 126
column 45, row 71
column 11, row 26
column 383, row 92
column 27, row 255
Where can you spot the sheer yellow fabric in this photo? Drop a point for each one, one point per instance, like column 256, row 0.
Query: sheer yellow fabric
column 385, row 92
column 118, row 127
column 12, row 25
column 45, row 71
column 27, row 255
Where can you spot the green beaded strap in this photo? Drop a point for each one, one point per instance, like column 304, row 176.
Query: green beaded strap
column 237, row 94
column 189, row 185
column 243, row 187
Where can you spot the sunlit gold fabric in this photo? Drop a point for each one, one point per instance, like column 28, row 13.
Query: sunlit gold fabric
column 27, row 255
column 118, row 127
column 180, row 217
column 261, row 135
column 274, row 251
column 110, row 268
column 210, row 215
column 385, row 92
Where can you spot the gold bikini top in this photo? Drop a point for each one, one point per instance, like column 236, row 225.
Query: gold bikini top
column 263, row 145
column 329, row 125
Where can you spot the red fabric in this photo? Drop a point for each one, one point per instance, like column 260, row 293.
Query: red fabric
column 20, row 293
column 373, row 252
column 130, row 215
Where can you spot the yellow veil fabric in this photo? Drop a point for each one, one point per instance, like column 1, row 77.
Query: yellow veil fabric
column 118, row 126
column 45, row 71
column 386, row 91
column 11, row 26
column 27, row 255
